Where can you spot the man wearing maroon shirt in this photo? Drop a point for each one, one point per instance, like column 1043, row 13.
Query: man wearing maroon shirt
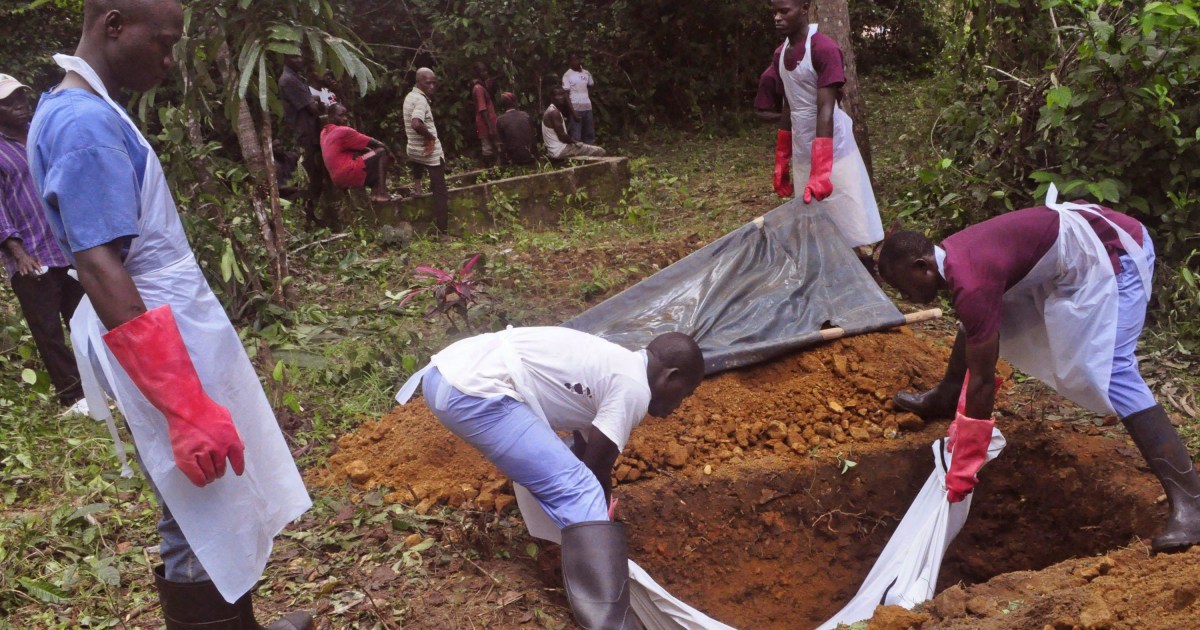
column 1061, row 291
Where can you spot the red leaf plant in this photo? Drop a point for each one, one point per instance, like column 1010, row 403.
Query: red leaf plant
column 452, row 292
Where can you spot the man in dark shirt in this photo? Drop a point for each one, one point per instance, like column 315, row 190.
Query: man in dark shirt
column 301, row 111
column 516, row 131
column 1062, row 291
column 31, row 255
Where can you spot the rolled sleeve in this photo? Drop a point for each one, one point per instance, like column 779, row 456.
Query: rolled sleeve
column 96, row 193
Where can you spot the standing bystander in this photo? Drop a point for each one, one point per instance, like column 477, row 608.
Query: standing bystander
column 485, row 115
column 424, row 148
column 302, row 112
column 35, row 263
column 576, row 80
column 516, row 130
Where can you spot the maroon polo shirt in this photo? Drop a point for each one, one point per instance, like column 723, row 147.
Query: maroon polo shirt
column 989, row 258
column 826, row 60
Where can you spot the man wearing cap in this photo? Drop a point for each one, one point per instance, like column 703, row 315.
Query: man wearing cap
column 36, row 266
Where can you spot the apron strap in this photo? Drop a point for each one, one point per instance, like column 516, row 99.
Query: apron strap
column 1130, row 245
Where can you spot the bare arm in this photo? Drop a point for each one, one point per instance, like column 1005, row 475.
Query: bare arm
column 419, row 127
column 109, row 286
column 826, row 103
column 981, row 390
column 555, row 120
column 599, row 457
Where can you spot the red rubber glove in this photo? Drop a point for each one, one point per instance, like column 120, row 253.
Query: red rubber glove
column 970, row 453
column 952, row 430
column 202, row 433
column 783, row 164
column 819, row 187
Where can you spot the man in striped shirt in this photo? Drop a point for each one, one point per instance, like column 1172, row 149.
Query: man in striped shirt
column 35, row 264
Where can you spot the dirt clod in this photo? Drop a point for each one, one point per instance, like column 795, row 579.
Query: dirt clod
column 896, row 618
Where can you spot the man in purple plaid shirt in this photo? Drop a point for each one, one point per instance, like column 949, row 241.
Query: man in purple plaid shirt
column 31, row 254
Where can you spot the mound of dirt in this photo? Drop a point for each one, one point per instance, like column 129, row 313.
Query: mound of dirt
column 822, row 401
column 1124, row 590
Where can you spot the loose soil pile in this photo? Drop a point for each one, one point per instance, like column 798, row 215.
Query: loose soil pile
column 829, row 400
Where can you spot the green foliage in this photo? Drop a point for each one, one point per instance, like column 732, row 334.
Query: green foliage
column 1104, row 105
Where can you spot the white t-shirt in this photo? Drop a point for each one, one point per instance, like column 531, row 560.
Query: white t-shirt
column 577, row 84
column 571, row 379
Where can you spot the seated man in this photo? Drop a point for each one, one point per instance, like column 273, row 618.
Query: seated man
column 1061, row 290
column 354, row 160
column 559, row 144
column 506, row 394
column 516, row 132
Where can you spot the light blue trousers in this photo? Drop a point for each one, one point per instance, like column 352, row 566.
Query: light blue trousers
column 523, row 447
column 1127, row 391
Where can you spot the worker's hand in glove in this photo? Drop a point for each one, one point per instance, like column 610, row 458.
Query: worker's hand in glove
column 783, row 164
column 202, row 433
column 970, row 453
column 819, row 187
column 612, row 508
column 952, row 430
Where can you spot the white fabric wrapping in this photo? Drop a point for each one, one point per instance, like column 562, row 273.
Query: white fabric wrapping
column 906, row 572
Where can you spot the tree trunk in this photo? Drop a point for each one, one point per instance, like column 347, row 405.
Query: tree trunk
column 833, row 16
column 264, row 194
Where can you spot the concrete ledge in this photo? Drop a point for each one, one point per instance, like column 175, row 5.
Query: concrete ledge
column 537, row 199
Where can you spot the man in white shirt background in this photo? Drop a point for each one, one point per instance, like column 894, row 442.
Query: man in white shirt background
column 576, row 80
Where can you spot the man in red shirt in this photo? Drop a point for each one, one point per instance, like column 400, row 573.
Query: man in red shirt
column 1061, row 291
column 354, row 160
column 485, row 115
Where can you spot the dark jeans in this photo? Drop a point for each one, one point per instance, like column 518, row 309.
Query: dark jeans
column 314, row 167
column 582, row 129
column 48, row 301
column 437, row 187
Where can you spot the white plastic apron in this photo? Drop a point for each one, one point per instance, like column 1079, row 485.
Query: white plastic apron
column 1059, row 322
column 231, row 523
column 852, row 205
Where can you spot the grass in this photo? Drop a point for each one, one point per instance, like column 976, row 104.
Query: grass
column 76, row 540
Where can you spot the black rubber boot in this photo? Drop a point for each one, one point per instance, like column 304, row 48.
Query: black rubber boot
column 940, row 402
column 291, row 621
column 1170, row 461
column 194, row 605
column 595, row 567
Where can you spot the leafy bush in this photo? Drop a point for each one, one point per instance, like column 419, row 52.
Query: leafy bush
column 1096, row 96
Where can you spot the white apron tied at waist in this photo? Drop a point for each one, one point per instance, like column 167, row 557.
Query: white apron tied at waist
column 231, row 523
column 1060, row 320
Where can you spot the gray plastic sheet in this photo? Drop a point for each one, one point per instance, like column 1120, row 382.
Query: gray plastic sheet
column 761, row 291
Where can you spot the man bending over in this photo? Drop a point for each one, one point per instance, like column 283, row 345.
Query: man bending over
column 506, row 394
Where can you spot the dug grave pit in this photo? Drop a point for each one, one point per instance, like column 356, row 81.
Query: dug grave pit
column 745, row 503
column 785, row 544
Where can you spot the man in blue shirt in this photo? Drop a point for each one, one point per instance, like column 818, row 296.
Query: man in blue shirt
column 164, row 348
column 35, row 264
